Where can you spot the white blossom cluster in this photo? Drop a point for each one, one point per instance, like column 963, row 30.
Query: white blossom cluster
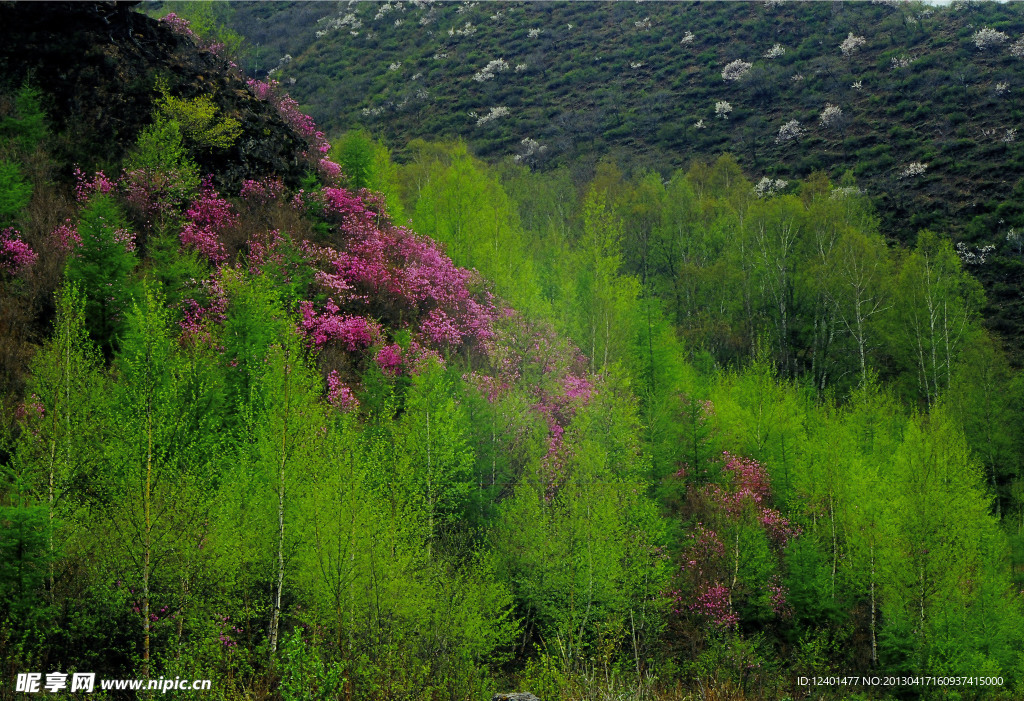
column 395, row 66
column 487, row 72
column 1010, row 136
column 636, row 64
column 970, row 257
column 386, row 8
column 841, row 192
column 1002, row 88
column 796, row 78
column 440, row 56
column 831, row 116
column 687, row 38
column 465, row 31
column 899, row 62
column 495, row 113
column 643, row 24
column 287, row 58
column 766, row 187
column 722, row 109
column 465, row 7
column 1017, row 48
column 775, row 52
column 772, row 4
column 735, row 70
column 373, row 111
column 520, row 67
column 428, row 18
column 988, row 38
column 857, row 84
column 789, row 131
column 531, row 148
column 851, row 43
column 336, row 23
column 699, row 124
column 913, row 170
column 534, row 33
column 1015, row 240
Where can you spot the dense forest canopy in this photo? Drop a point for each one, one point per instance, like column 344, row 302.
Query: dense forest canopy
column 313, row 413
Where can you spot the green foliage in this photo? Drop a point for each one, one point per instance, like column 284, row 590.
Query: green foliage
column 27, row 127
column 15, row 192
column 101, row 269
column 197, row 119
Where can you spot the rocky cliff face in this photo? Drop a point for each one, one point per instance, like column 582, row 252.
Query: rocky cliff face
column 97, row 64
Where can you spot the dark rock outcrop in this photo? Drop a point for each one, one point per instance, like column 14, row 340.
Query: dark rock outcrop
column 97, row 63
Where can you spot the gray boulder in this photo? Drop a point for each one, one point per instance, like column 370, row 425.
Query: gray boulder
column 514, row 696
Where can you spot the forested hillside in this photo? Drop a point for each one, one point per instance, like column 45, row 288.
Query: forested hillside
column 288, row 413
column 922, row 104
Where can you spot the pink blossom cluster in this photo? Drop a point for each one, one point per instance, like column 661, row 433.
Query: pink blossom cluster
column 389, row 359
column 777, row 595
column 226, row 629
column 16, row 256
column 183, row 28
column 262, row 191
column 352, row 332
column 206, row 218
column 409, row 271
column 751, row 487
column 31, row 408
column 269, row 91
column 490, row 387
column 705, row 549
column 330, row 172
column 85, row 187
column 180, row 26
column 715, row 602
column 577, row 387
column 339, row 394
column 266, row 248
column 337, row 205
column 66, row 237
column 197, row 317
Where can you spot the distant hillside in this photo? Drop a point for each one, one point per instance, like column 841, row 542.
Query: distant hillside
column 569, row 82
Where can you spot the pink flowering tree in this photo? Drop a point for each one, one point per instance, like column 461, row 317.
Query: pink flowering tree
column 729, row 563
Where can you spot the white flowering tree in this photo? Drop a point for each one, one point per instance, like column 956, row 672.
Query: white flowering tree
column 789, row 131
column 913, row 170
column 987, row 38
column 831, row 117
column 735, row 70
column 1017, row 48
column 775, row 52
column 766, row 187
column 851, row 44
column 495, row 113
column 722, row 109
column 488, row 72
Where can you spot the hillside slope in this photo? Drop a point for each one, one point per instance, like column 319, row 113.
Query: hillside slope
column 570, row 82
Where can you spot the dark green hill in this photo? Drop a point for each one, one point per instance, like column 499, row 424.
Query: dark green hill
column 588, row 79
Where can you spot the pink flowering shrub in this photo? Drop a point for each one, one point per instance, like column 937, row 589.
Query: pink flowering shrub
column 339, row 394
column 350, row 331
column 288, row 109
column 198, row 317
column 86, row 187
column 206, row 218
column 263, row 191
column 389, row 359
column 65, row 237
column 16, row 256
column 711, row 583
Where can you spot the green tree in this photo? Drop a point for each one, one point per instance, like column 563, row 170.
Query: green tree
column 101, row 269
